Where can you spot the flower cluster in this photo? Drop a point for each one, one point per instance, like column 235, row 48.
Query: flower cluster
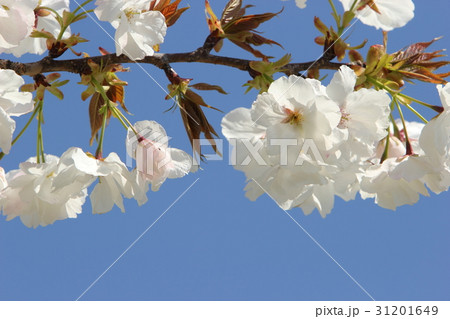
column 303, row 144
column 138, row 29
column 42, row 193
column 45, row 22
column 19, row 18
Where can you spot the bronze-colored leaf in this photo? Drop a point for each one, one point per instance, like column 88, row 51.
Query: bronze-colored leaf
column 412, row 50
column 233, row 10
column 247, row 47
column 158, row 5
column 174, row 18
column 207, row 87
column 96, row 119
column 170, row 9
column 116, row 94
column 249, row 22
column 195, row 123
column 424, row 75
column 258, row 40
column 197, row 99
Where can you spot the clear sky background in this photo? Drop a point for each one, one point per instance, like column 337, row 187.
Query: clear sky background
column 213, row 243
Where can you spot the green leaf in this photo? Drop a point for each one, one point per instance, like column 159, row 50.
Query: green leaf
column 56, row 92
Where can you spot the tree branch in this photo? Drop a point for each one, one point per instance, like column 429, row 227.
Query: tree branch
column 201, row 55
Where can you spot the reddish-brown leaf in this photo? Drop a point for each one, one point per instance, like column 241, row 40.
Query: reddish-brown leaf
column 197, row 99
column 412, row 50
column 233, row 10
column 249, row 22
column 424, row 75
column 96, row 119
column 207, row 87
column 258, row 40
column 174, row 18
column 248, row 48
column 116, row 93
column 195, row 123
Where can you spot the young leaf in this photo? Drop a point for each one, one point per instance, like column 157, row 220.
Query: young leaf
column 95, row 116
column 207, row 87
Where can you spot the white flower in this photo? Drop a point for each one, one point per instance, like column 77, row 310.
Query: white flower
column 389, row 192
column 31, row 194
column 281, row 141
column 47, row 23
column 300, row 3
column 138, row 30
column 401, row 178
column 114, row 178
column 435, row 143
column 16, row 22
column 392, row 13
column 435, row 138
column 3, row 181
column 292, row 108
column 365, row 114
column 112, row 10
column 12, row 103
column 156, row 161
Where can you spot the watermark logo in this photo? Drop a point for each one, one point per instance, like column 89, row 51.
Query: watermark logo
column 152, row 154
column 150, row 151
column 284, row 152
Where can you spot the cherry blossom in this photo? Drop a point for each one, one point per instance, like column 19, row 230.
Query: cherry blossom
column 303, row 143
column 391, row 192
column 137, row 29
column 401, row 178
column 12, row 103
column 280, row 144
column 114, row 178
column 382, row 14
column 47, row 23
column 31, row 194
column 16, row 22
column 364, row 114
column 156, row 161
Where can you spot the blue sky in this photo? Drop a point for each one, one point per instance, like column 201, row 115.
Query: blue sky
column 213, row 243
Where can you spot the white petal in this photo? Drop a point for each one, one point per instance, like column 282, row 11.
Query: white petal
column 7, row 127
column 181, row 163
column 239, row 124
column 342, row 84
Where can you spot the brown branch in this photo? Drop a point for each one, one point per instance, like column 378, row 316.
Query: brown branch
column 201, row 55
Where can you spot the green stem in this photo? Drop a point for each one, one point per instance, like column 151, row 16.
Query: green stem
column 386, row 148
column 99, row 151
column 415, row 100
column 416, row 113
column 409, row 149
column 81, row 6
column 335, row 14
column 353, row 5
column 378, row 84
column 396, row 130
column 40, row 141
column 119, row 115
column 122, row 119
